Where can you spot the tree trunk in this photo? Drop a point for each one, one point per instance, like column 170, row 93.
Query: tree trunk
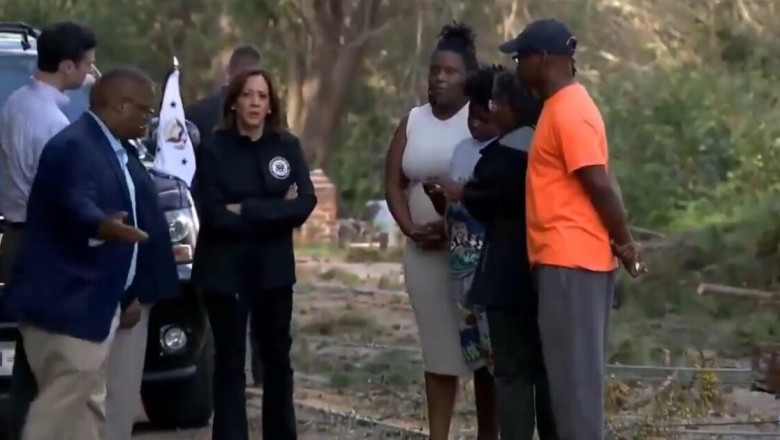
column 326, row 103
column 321, row 69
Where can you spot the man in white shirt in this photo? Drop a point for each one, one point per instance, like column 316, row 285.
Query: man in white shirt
column 31, row 116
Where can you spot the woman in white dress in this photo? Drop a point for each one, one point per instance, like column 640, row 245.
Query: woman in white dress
column 421, row 150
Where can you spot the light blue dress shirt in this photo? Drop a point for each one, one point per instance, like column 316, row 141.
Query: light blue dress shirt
column 121, row 156
column 30, row 117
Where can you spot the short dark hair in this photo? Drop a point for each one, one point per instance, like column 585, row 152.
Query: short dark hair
column 63, row 41
column 479, row 85
column 98, row 95
column 234, row 89
column 524, row 104
column 243, row 55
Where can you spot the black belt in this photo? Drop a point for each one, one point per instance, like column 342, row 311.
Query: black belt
column 15, row 225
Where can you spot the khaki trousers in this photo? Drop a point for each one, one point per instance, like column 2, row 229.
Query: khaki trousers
column 125, row 373
column 71, row 376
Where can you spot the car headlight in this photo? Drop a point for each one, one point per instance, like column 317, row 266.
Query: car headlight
column 180, row 224
column 173, row 339
column 183, row 228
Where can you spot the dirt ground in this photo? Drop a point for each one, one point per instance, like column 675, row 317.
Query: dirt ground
column 359, row 370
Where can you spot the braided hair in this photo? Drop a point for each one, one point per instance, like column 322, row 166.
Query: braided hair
column 459, row 38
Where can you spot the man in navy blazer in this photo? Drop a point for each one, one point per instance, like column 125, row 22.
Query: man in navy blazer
column 156, row 279
column 79, row 258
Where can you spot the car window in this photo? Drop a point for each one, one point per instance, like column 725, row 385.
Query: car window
column 15, row 72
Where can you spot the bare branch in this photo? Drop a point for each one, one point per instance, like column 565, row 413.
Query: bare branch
column 298, row 13
column 365, row 36
column 336, row 12
column 366, row 17
column 324, row 20
column 648, row 232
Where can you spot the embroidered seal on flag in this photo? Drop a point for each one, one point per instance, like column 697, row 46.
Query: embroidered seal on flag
column 279, row 167
column 175, row 133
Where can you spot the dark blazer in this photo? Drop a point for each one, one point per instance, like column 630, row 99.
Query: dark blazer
column 62, row 282
column 496, row 197
column 252, row 251
column 156, row 277
column 205, row 113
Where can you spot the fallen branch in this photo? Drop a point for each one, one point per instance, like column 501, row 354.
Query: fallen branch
column 653, row 394
column 366, row 345
column 738, row 292
column 646, row 232
column 343, row 288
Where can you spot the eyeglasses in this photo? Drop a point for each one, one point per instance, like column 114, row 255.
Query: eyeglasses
column 147, row 110
column 527, row 53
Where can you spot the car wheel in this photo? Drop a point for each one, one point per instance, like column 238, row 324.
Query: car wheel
column 186, row 403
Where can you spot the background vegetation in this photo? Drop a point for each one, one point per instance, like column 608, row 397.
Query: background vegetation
column 688, row 89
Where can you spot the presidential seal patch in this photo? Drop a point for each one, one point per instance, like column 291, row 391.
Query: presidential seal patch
column 279, row 167
column 176, row 134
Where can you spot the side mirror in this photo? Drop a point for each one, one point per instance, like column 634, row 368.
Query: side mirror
column 192, row 129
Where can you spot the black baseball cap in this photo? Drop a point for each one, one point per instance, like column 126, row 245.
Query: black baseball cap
column 546, row 35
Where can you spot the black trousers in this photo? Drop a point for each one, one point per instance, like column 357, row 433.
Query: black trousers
column 271, row 312
column 24, row 388
column 257, row 364
column 522, row 388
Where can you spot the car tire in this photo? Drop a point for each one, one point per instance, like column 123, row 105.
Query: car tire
column 186, row 403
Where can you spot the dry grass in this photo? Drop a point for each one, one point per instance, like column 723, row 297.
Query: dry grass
column 342, row 323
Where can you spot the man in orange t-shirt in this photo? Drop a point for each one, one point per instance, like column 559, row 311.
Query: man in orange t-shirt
column 576, row 227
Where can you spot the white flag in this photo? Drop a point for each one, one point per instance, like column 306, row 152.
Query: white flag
column 175, row 154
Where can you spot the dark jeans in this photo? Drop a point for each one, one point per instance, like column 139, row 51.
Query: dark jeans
column 271, row 313
column 254, row 352
column 522, row 389
column 24, row 388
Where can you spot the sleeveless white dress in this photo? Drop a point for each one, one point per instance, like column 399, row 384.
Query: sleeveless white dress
column 430, row 143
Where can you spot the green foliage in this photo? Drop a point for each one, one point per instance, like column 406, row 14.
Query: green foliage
column 143, row 33
column 688, row 90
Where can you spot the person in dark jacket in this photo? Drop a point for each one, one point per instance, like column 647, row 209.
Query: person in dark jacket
column 252, row 188
column 503, row 283
column 206, row 114
column 156, row 279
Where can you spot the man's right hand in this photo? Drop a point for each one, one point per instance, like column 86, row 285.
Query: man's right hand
column 630, row 254
column 113, row 228
column 130, row 316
